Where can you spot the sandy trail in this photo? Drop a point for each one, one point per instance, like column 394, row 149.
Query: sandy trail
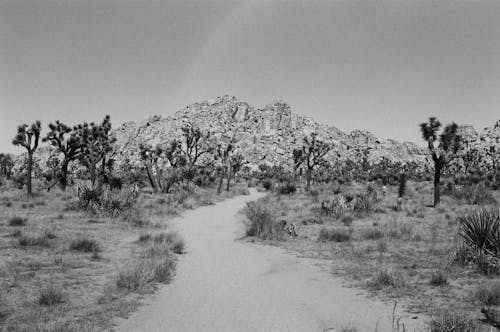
column 225, row 285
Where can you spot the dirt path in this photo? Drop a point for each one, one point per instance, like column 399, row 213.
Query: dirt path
column 227, row 285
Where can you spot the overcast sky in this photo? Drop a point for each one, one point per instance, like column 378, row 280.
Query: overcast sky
column 382, row 66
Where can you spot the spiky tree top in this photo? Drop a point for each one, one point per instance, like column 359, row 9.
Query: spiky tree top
column 70, row 146
column 28, row 136
column 311, row 153
column 449, row 140
column 96, row 140
column 196, row 143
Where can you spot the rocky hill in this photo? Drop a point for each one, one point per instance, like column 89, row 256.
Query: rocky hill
column 269, row 134
column 264, row 135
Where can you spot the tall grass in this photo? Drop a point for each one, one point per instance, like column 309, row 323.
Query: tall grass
column 261, row 222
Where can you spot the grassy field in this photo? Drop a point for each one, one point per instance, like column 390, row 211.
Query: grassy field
column 64, row 269
column 405, row 254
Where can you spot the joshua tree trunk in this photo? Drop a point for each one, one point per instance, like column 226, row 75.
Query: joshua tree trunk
column 63, row 177
column 219, row 189
column 151, row 178
column 30, row 170
column 437, row 182
column 228, row 175
column 308, row 179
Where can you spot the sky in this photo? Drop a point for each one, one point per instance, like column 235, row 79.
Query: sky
column 382, row 66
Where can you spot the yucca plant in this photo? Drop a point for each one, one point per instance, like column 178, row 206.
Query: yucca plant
column 480, row 230
column 89, row 197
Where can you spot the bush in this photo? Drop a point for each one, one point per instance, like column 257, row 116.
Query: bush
column 373, row 234
column 50, row 296
column 85, row 245
column 438, row 278
column 267, row 184
column 386, row 278
column 287, row 189
column 33, row 241
column 335, row 235
column 136, row 218
column 260, row 221
column 347, row 221
column 17, row 221
column 450, row 321
column 147, row 271
column 476, row 194
column 489, row 293
column 336, row 208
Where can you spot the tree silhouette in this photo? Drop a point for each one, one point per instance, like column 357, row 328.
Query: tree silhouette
column 96, row 143
column 310, row 155
column 449, row 144
column 223, row 158
column 28, row 138
column 67, row 141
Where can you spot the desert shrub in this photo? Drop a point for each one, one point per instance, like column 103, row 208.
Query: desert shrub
column 438, row 278
column 331, row 234
column 366, row 202
column 136, row 218
column 373, row 234
column 287, row 188
column 488, row 293
column 385, row 278
column 336, row 208
column 347, row 220
column 261, row 222
column 33, row 241
column 145, row 272
column 451, row 321
column 17, row 221
column 50, row 296
column 477, row 194
column 267, row 184
column 84, row 244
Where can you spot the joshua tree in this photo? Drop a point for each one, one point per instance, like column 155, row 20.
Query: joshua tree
column 449, row 144
column 310, row 154
column 195, row 144
column 28, row 138
column 236, row 162
column 68, row 142
column 223, row 156
column 96, row 144
column 150, row 156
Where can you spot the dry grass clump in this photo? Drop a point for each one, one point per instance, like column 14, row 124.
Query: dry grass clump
column 157, row 263
column 17, row 221
column 387, row 278
column 335, row 235
column 438, row 278
column 50, row 296
column 452, row 321
column 33, row 240
column 488, row 293
column 85, row 244
column 146, row 272
column 261, row 222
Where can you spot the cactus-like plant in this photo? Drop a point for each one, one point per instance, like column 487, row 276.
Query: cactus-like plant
column 28, row 137
column 449, row 144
